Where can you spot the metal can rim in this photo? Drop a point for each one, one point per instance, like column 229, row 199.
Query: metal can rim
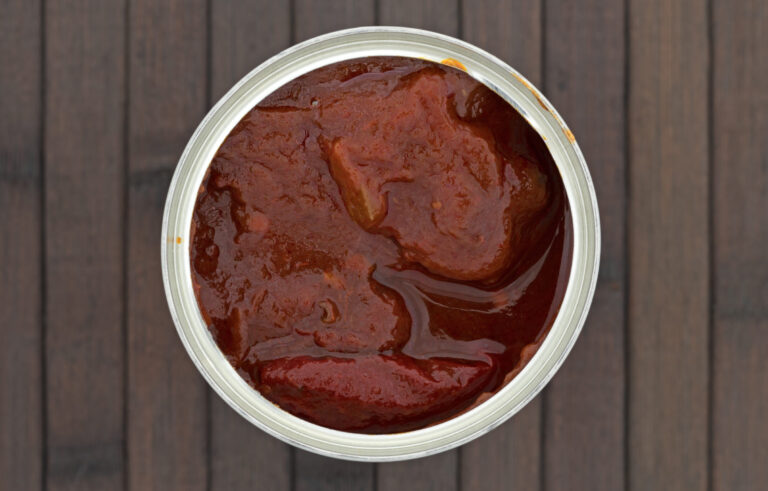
column 263, row 80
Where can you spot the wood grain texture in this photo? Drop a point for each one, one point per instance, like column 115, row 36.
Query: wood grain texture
column 586, row 397
column 316, row 473
column 508, row 29
column 84, row 169
column 433, row 15
column 740, row 183
column 311, row 471
column 21, row 446
column 668, row 252
column 509, row 456
column 243, row 35
column 314, row 17
column 440, row 471
column 167, row 422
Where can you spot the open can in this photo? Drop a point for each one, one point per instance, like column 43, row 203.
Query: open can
column 274, row 73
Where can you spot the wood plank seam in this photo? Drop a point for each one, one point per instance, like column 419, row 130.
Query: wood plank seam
column 43, row 257
column 626, row 237
column 125, row 240
column 711, row 247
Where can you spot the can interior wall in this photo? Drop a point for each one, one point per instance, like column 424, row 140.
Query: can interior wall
column 275, row 72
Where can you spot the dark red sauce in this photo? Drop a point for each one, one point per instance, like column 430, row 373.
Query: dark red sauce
column 380, row 244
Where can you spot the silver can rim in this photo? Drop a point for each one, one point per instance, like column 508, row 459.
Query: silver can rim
column 263, row 80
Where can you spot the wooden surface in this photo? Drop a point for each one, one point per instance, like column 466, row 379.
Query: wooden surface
column 739, row 153
column 667, row 386
column 668, row 243
column 585, row 401
column 21, row 273
column 83, row 94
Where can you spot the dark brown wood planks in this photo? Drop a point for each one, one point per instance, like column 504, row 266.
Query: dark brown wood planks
column 167, row 417
column 314, row 17
column 740, row 184
column 313, row 472
column 584, row 425
column 668, row 245
column 441, row 16
column 509, row 29
column 243, row 35
column 509, row 456
column 84, row 168
column 437, row 472
column 21, row 449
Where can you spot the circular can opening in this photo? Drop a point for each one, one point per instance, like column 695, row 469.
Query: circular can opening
column 260, row 83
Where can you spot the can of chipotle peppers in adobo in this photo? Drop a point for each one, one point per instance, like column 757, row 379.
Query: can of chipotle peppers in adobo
column 191, row 173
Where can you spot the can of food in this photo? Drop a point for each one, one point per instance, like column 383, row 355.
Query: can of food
column 265, row 79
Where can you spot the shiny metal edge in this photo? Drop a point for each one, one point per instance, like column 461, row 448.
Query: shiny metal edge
column 278, row 70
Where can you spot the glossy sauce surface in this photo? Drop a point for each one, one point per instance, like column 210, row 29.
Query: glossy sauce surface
column 380, row 244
